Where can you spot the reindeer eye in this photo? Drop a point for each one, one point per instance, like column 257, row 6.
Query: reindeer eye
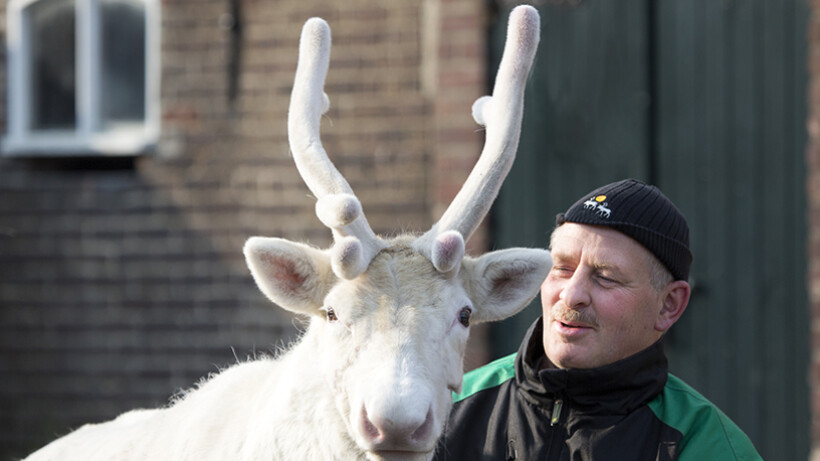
column 331, row 315
column 464, row 316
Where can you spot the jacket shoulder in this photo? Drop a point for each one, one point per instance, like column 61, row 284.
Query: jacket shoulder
column 477, row 426
column 707, row 432
column 491, row 375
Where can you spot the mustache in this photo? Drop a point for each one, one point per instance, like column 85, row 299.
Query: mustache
column 562, row 313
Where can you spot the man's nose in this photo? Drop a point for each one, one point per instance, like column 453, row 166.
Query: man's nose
column 575, row 293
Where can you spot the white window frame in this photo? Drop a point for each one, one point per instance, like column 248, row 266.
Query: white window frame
column 87, row 137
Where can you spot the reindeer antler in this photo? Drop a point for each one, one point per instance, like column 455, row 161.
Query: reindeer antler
column 501, row 114
column 337, row 207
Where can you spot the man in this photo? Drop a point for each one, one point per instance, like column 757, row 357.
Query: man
column 590, row 380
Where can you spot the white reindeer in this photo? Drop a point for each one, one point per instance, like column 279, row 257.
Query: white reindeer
column 372, row 375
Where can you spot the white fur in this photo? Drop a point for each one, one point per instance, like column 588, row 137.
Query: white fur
column 371, row 377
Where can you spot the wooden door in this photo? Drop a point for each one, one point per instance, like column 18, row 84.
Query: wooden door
column 707, row 100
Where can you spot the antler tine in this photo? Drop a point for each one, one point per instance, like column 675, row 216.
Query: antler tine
column 501, row 113
column 337, row 207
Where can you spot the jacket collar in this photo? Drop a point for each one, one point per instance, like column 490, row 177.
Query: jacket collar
column 617, row 388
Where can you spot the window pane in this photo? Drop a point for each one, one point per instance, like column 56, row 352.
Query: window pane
column 123, row 61
column 53, row 65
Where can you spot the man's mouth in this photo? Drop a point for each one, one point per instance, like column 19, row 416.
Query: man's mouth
column 573, row 326
column 570, row 320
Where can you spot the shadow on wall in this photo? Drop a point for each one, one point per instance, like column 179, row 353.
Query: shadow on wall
column 117, row 290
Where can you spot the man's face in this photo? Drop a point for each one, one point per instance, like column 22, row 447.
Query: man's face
column 599, row 306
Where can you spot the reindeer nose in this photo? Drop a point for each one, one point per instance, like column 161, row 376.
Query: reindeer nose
column 397, row 430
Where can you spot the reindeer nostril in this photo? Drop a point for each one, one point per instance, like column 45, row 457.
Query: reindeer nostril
column 423, row 431
column 369, row 429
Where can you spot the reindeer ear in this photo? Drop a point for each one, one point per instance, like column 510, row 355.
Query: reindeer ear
column 501, row 283
column 293, row 275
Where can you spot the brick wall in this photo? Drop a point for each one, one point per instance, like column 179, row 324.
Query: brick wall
column 122, row 281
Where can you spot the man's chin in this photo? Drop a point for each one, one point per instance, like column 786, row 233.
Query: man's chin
column 569, row 355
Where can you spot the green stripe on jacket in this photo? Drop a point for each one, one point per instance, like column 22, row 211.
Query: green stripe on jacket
column 490, row 375
column 707, row 432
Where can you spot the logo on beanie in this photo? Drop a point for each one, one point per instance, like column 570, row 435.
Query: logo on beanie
column 598, row 204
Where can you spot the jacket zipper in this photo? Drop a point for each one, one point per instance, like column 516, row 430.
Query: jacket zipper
column 554, row 447
column 556, row 412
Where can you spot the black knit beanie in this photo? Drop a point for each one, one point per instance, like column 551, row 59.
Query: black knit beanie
column 642, row 212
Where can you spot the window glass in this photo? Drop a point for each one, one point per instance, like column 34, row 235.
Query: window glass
column 53, row 64
column 123, row 61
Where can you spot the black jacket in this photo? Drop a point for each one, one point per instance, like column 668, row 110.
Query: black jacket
column 517, row 409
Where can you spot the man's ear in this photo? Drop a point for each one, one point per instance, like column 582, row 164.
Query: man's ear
column 295, row 276
column 503, row 282
column 675, row 298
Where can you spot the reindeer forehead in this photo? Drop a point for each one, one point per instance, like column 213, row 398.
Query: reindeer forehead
column 400, row 266
column 398, row 277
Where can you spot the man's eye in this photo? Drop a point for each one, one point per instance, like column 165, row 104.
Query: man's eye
column 607, row 280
